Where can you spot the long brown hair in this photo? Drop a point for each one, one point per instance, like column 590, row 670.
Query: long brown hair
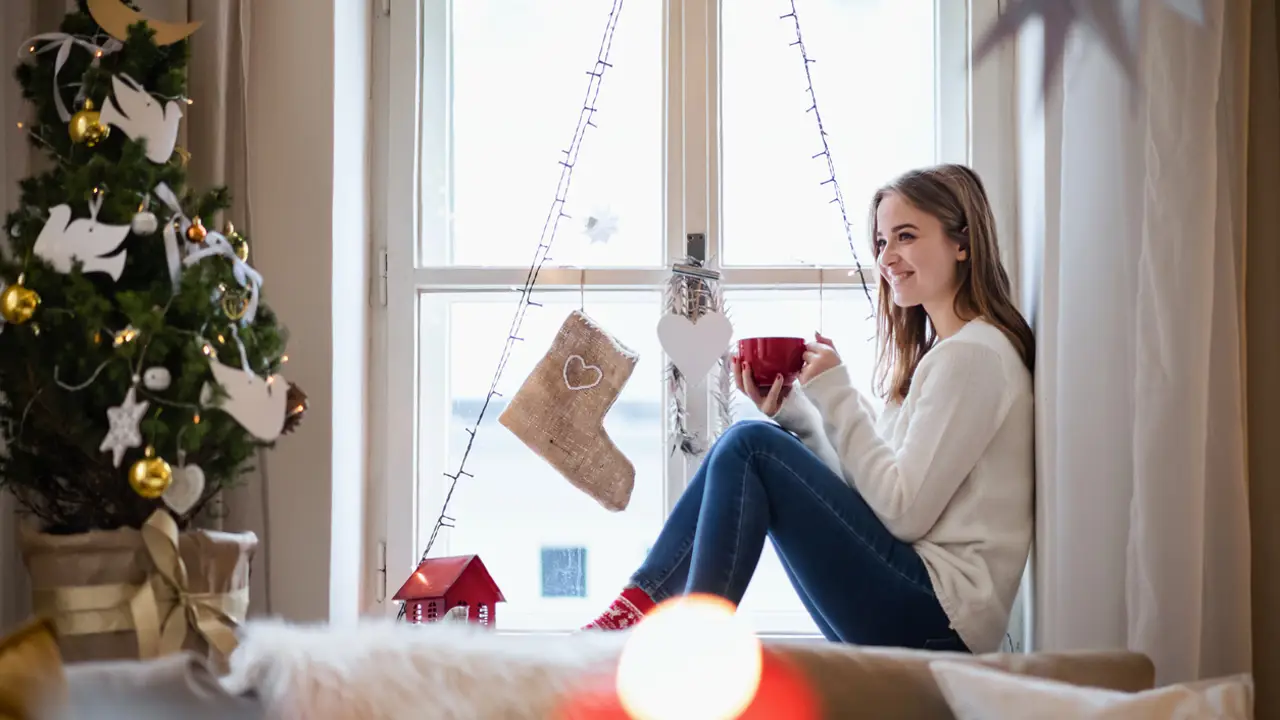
column 954, row 195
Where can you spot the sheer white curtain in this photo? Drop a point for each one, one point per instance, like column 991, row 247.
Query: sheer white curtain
column 1134, row 215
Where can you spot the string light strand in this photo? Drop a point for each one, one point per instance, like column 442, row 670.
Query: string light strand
column 831, row 180
column 83, row 385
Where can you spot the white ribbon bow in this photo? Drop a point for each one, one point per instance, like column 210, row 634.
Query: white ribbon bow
column 172, row 253
column 64, row 42
column 216, row 244
column 244, row 355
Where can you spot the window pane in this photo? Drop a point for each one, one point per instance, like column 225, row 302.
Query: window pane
column 519, row 78
column 874, row 77
column 517, row 505
column 843, row 316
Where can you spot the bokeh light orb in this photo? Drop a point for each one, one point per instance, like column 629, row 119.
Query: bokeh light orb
column 692, row 658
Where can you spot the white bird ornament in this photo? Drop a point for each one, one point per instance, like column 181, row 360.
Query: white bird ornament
column 141, row 117
column 256, row 403
column 62, row 241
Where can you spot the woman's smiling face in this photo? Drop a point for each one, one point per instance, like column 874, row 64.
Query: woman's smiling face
column 914, row 254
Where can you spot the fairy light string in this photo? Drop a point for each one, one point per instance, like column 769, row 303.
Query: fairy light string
column 555, row 213
column 825, row 153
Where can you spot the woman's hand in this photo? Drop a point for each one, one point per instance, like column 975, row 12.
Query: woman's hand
column 768, row 404
column 819, row 357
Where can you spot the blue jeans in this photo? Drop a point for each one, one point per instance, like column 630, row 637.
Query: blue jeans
column 860, row 584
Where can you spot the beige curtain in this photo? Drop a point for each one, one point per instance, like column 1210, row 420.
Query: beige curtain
column 17, row 23
column 1262, row 324
column 19, row 20
column 217, row 136
column 214, row 131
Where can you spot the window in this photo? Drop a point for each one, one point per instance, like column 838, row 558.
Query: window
column 564, row 572
column 481, row 99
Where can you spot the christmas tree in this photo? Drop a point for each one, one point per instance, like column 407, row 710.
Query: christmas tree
column 139, row 366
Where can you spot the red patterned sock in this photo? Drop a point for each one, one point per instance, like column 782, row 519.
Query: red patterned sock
column 626, row 611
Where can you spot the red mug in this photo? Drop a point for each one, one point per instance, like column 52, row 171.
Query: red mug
column 770, row 357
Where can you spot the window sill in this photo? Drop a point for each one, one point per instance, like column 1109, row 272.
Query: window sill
column 767, row 637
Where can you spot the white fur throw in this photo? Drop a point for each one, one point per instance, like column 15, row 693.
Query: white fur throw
column 380, row 669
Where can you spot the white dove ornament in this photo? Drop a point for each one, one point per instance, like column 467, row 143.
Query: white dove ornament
column 141, row 117
column 62, row 241
column 256, row 403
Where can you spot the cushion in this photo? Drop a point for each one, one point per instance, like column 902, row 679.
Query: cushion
column 887, row 683
column 975, row 692
column 31, row 674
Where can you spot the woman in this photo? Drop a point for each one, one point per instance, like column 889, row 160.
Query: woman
column 910, row 529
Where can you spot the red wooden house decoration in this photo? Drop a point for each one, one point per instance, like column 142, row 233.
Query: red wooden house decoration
column 442, row 584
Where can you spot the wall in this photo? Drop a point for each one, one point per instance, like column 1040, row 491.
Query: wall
column 308, row 174
column 1039, row 137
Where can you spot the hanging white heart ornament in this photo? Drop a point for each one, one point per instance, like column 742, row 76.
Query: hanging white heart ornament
column 185, row 489
column 695, row 347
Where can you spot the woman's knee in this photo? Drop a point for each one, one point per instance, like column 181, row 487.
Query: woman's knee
column 753, row 433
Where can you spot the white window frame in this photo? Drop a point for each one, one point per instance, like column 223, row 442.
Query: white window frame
column 980, row 114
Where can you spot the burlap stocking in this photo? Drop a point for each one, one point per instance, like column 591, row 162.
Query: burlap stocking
column 559, row 411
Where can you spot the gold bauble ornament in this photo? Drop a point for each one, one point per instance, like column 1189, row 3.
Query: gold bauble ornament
column 238, row 243
column 95, row 134
column 184, row 156
column 86, row 126
column 197, row 232
column 18, row 303
column 150, row 476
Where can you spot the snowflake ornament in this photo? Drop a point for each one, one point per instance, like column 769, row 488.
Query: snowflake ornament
column 601, row 225
column 124, row 433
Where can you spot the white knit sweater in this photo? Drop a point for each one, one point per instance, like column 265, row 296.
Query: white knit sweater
column 950, row 470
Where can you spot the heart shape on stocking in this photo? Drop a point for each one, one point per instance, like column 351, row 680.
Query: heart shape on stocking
column 185, row 489
column 695, row 347
column 580, row 368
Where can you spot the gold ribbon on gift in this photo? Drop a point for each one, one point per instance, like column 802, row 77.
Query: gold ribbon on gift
column 160, row 610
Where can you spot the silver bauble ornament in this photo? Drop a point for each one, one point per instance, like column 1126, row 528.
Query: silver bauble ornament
column 156, row 378
column 144, row 223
